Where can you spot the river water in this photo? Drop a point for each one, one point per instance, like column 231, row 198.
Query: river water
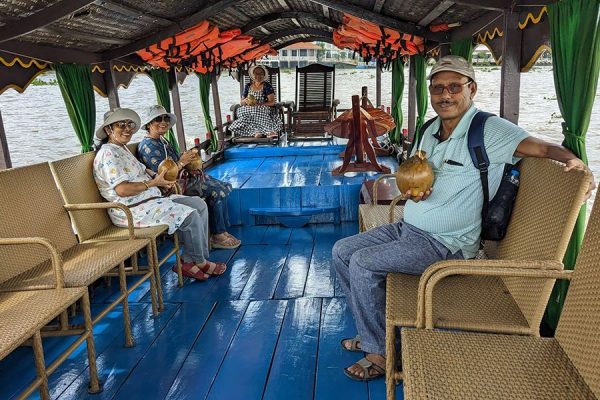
column 38, row 127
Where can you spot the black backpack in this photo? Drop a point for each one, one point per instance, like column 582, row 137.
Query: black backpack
column 493, row 225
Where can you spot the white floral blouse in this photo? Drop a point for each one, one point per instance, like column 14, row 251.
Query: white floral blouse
column 115, row 164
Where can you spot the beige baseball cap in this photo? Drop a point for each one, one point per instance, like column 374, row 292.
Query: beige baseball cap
column 453, row 64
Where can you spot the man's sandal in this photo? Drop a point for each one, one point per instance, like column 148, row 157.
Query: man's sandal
column 354, row 344
column 212, row 268
column 370, row 371
column 230, row 243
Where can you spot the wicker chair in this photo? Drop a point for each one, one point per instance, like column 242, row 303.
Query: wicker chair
column 466, row 365
column 543, row 217
column 23, row 314
column 74, row 178
column 32, row 207
column 374, row 215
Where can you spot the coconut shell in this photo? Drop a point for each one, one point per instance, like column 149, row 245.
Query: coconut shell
column 415, row 174
column 195, row 164
column 251, row 100
column 171, row 167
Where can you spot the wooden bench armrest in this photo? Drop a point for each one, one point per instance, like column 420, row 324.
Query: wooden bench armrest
column 502, row 268
column 96, row 206
column 57, row 262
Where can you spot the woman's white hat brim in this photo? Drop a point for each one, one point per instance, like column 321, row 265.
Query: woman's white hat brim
column 116, row 115
column 156, row 111
column 252, row 68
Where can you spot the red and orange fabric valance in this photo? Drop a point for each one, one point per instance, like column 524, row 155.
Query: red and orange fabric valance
column 203, row 47
column 370, row 40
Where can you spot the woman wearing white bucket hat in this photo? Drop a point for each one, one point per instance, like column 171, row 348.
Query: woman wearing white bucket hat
column 154, row 148
column 257, row 117
column 122, row 178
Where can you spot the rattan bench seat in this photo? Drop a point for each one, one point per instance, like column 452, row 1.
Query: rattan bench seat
column 481, row 366
column 481, row 303
column 98, row 259
column 117, row 233
column 26, row 312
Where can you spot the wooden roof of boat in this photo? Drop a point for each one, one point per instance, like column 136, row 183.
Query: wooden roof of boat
column 94, row 31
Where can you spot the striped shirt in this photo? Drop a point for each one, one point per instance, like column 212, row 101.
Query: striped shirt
column 452, row 214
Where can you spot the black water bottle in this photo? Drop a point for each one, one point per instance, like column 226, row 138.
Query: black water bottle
column 500, row 207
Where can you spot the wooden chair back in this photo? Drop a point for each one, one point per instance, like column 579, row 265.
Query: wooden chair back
column 315, row 87
column 273, row 77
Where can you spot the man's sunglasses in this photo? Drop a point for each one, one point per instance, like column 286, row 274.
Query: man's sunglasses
column 125, row 124
column 453, row 88
column 162, row 118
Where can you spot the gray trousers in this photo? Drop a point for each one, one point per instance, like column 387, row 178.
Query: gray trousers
column 193, row 233
column 362, row 263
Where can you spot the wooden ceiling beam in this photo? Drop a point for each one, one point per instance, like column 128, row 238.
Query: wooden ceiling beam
column 50, row 53
column 495, row 5
column 292, row 32
column 132, row 12
column 534, row 3
column 41, row 18
column 300, row 16
column 379, row 19
column 378, row 6
column 436, row 12
column 170, row 30
column 93, row 38
column 470, row 29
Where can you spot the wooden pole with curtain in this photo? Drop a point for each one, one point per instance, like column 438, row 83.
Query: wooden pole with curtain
column 511, row 68
column 217, row 105
column 378, row 83
column 5, row 161
column 111, row 87
column 177, row 109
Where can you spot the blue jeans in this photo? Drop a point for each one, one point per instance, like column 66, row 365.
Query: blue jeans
column 218, row 216
column 362, row 263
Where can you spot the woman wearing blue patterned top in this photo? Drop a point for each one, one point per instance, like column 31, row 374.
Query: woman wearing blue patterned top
column 257, row 117
column 154, row 148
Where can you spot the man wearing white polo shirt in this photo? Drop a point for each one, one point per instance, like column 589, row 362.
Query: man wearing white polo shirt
column 442, row 223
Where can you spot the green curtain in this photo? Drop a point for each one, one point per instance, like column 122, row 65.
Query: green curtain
column 160, row 77
column 204, row 80
column 397, row 93
column 422, row 98
column 75, row 82
column 575, row 42
column 463, row 48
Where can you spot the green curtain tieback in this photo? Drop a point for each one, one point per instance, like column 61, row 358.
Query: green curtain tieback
column 572, row 136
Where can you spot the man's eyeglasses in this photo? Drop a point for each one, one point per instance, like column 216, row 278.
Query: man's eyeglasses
column 453, row 88
column 125, row 124
column 162, row 118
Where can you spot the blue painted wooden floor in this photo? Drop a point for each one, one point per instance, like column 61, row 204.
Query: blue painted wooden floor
column 267, row 329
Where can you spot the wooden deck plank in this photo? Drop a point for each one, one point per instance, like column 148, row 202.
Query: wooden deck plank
column 202, row 364
column 249, row 357
column 295, row 270
column 321, row 277
column 294, row 363
column 276, row 234
column 116, row 361
column 331, row 383
column 153, row 376
column 249, row 234
column 264, row 276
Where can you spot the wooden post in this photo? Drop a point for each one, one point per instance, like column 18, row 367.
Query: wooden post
column 177, row 109
column 444, row 49
column 378, row 83
column 110, row 85
column 364, row 92
column 4, row 152
column 356, row 128
column 511, row 68
column 217, row 104
column 412, row 100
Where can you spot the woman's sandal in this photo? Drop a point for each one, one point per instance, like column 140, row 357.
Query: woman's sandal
column 369, row 369
column 229, row 243
column 354, row 344
column 212, row 268
column 192, row 270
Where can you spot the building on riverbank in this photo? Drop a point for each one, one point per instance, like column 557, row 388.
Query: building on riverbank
column 305, row 53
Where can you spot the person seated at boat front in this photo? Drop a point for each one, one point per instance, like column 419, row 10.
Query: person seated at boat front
column 121, row 178
column 154, row 148
column 441, row 223
column 257, row 116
